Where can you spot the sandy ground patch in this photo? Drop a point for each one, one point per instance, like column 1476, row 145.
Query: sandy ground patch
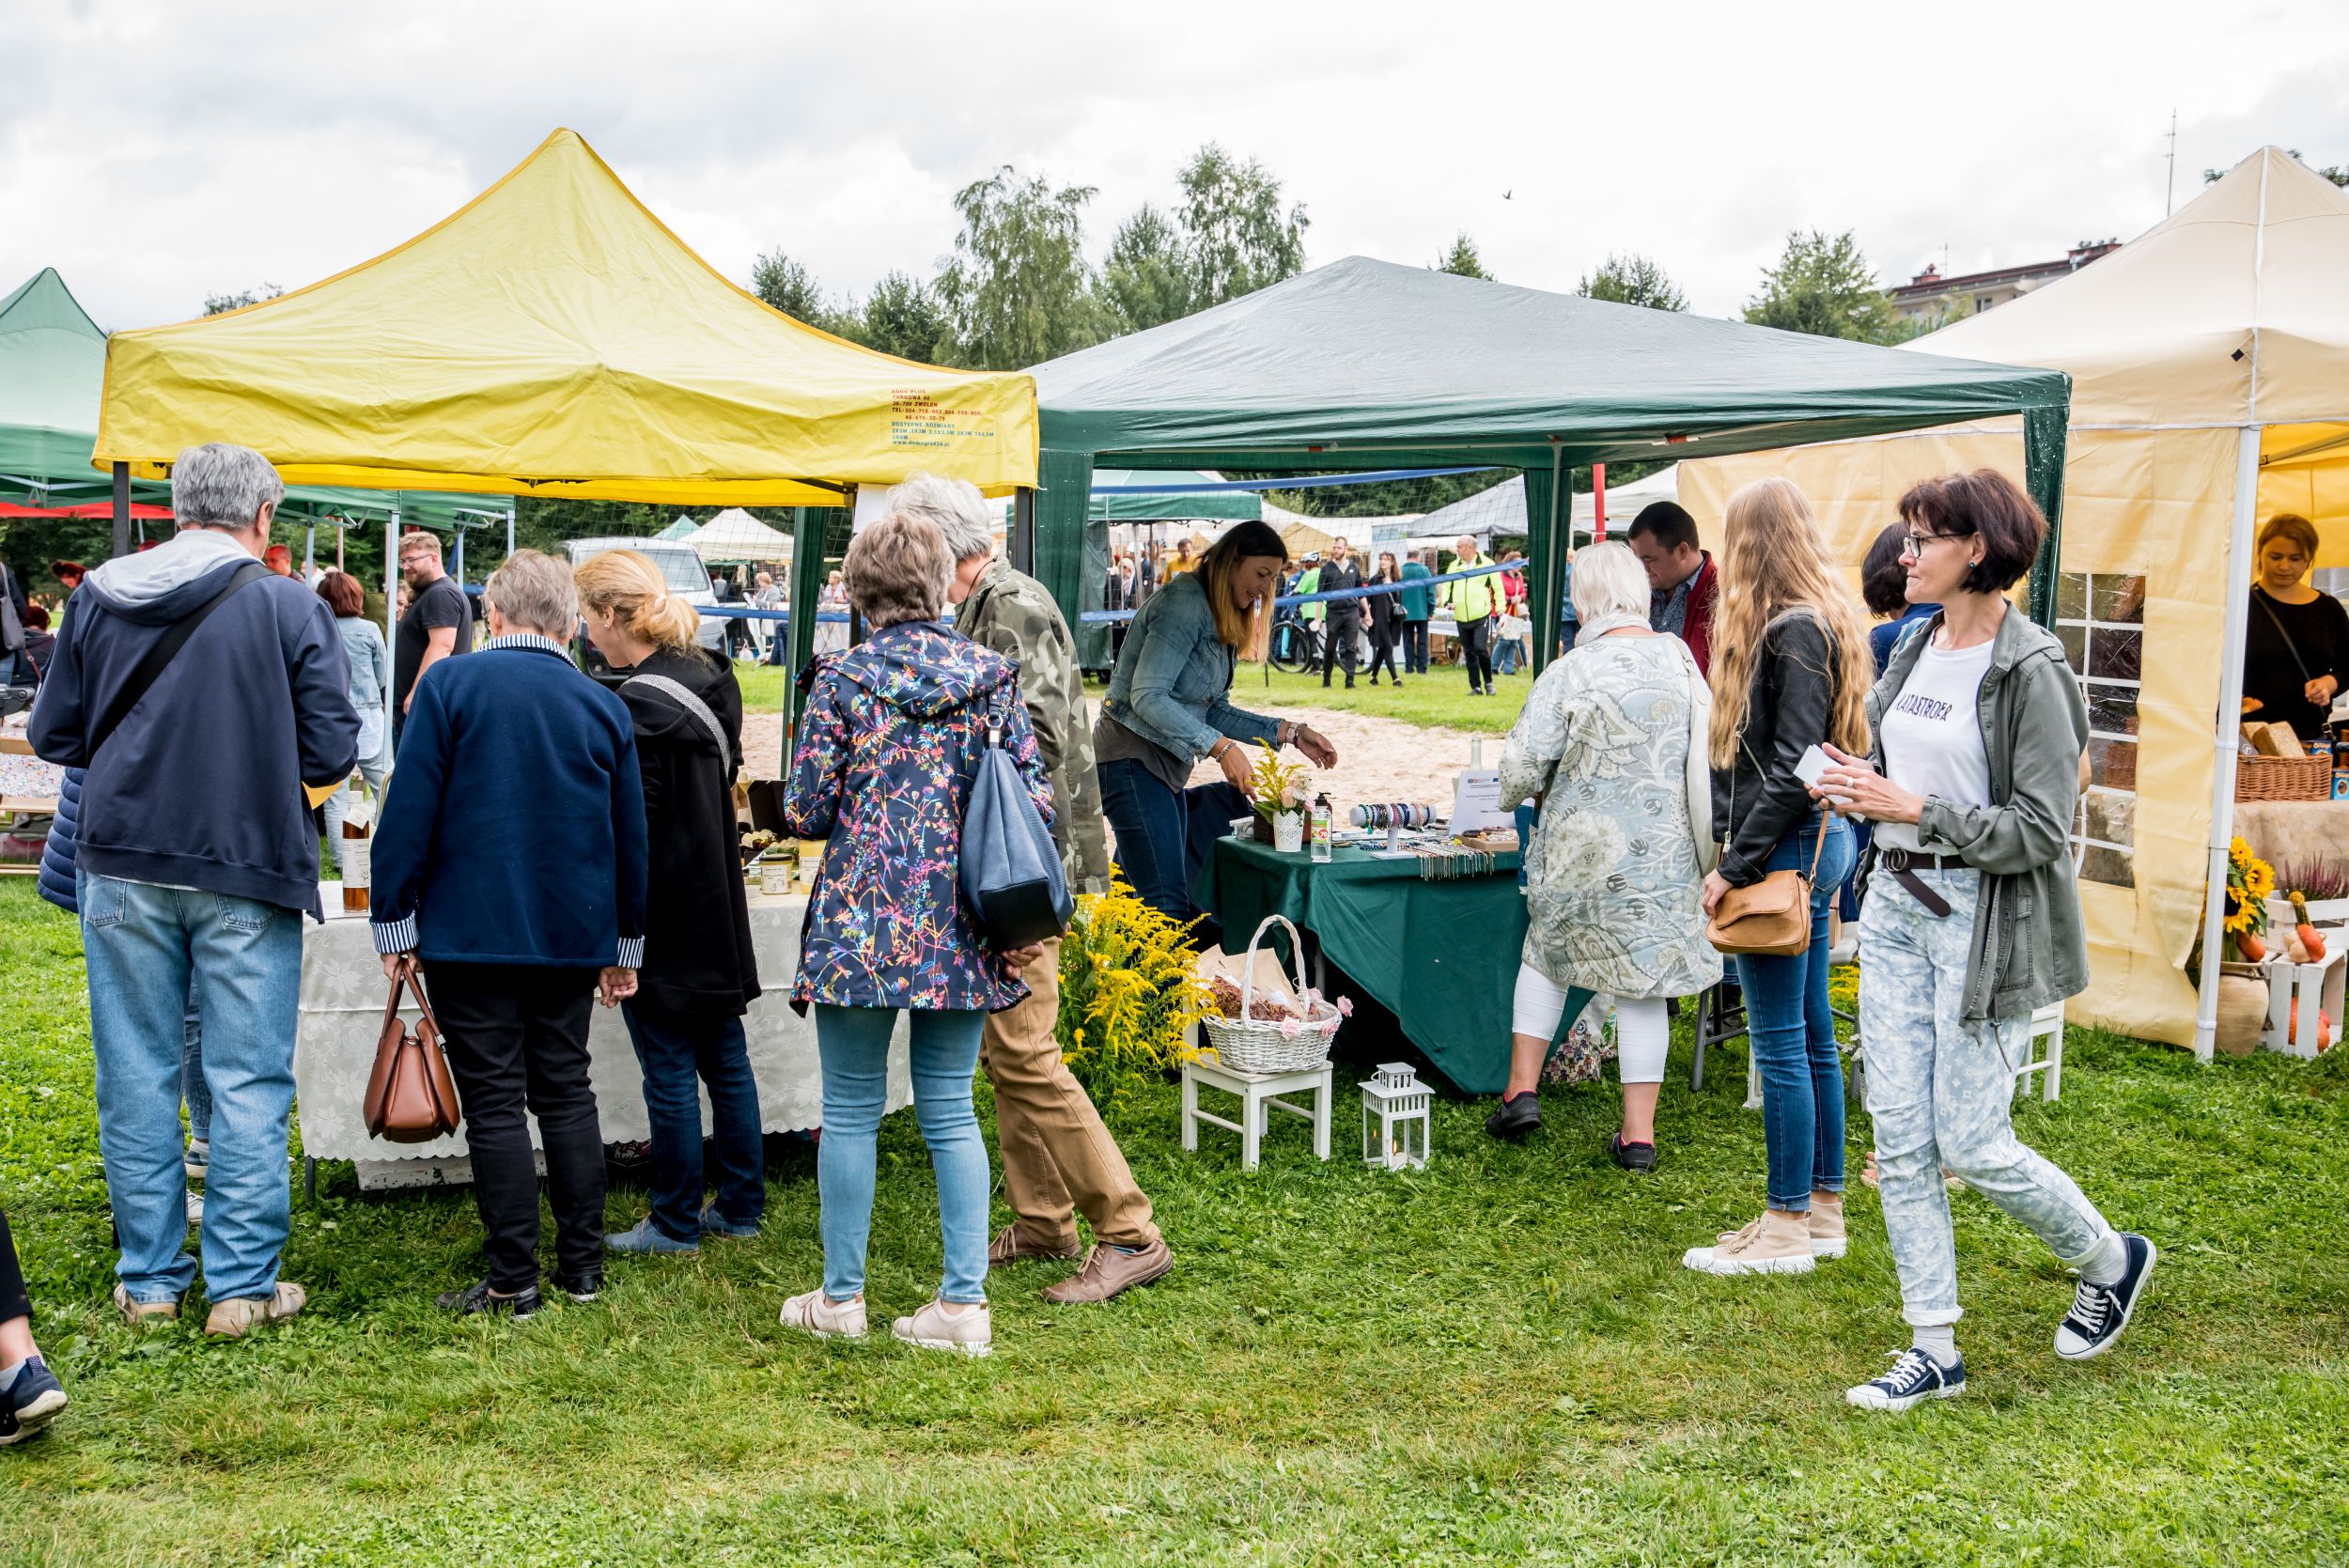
column 1379, row 759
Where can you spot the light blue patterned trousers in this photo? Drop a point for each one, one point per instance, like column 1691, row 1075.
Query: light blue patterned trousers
column 1939, row 1090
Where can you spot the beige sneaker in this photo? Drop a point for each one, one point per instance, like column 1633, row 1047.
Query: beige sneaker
column 1828, row 1239
column 1774, row 1244
column 970, row 1331
column 234, row 1319
column 139, row 1313
column 825, row 1318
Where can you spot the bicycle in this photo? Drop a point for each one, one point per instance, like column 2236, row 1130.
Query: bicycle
column 1296, row 645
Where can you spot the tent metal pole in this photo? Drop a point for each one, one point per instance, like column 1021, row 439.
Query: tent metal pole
column 391, row 604
column 456, row 560
column 509, row 535
column 309, row 546
column 122, row 509
column 2222, row 773
column 1022, row 540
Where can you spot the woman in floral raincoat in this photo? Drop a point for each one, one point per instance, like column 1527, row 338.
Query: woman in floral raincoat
column 890, row 734
column 1615, row 868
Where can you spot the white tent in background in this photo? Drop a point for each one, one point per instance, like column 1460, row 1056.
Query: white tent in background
column 734, row 535
column 1501, row 510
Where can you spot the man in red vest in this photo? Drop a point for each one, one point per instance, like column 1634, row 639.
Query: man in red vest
column 1680, row 575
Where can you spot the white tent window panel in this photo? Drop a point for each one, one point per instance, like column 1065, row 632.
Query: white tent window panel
column 2100, row 619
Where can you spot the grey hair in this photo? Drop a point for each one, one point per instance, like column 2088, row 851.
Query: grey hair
column 1609, row 581
column 220, row 486
column 952, row 507
column 536, row 592
column 898, row 570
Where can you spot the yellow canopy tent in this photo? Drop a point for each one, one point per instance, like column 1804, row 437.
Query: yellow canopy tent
column 553, row 337
column 2210, row 388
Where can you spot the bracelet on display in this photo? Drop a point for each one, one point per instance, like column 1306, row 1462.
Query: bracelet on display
column 1394, row 816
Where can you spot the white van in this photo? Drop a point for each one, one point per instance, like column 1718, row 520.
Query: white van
column 679, row 567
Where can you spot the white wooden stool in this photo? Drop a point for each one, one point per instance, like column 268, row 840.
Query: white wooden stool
column 1256, row 1092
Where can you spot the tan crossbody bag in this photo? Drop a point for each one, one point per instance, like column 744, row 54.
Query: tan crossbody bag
column 1771, row 919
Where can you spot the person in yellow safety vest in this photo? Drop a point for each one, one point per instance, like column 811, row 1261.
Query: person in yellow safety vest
column 1474, row 601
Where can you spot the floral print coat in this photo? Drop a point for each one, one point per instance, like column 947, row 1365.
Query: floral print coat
column 1613, row 876
column 891, row 734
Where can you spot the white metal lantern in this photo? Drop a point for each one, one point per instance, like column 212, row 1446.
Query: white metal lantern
column 1394, row 1117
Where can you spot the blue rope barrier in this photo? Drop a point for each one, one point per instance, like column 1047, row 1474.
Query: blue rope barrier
column 1097, row 617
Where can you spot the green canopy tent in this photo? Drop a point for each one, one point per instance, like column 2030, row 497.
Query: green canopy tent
column 52, row 360
column 1167, row 495
column 1364, row 364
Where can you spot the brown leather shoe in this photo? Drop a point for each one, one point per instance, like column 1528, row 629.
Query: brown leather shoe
column 1011, row 1247
column 1106, row 1271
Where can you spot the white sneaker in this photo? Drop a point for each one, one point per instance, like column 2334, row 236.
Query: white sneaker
column 820, row 1316
column 969, row 1332
column 195, row 1208
column 1770, row 1245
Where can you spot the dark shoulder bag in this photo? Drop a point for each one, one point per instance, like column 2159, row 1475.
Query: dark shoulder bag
column 1011, row 874
column 162, row 652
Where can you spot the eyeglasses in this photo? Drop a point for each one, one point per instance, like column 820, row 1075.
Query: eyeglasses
column 1914, row 544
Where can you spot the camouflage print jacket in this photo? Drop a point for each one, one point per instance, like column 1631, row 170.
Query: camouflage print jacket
column 1010, row 612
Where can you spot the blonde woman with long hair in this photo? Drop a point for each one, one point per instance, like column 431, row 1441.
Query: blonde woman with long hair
column 1790, row 670
column 700, row 975
column 1168, row 708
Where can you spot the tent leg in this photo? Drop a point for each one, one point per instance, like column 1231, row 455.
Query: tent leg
column 1548, row 548
column 391, row 605
column 1021, row 545
column 509, row 536
column 456, row 560
column 309, row 548
column 2247, row 484
column 122, row 509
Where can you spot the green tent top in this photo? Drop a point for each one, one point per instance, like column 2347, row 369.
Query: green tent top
column 52, row 360
column 1175, row 506
column 679, row 529
column 1366, row 364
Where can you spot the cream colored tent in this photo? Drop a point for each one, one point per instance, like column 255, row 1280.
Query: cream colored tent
column 735, row 535
column 2210, row 366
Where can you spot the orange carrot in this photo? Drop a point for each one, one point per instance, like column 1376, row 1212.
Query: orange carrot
column 2310, row 936
column 2253, row 950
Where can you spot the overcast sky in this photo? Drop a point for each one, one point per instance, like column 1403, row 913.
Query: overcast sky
column 154, row 152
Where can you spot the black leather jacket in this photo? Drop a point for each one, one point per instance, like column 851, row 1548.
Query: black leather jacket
column 1759, row 801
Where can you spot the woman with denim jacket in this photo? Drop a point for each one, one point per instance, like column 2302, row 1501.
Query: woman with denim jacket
column 1789, row 671
column 890, row 736
column 1972, row 921
column 371, row 669
column 1168, row 710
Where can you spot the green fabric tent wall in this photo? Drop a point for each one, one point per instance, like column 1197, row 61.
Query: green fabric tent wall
column 1366, row 365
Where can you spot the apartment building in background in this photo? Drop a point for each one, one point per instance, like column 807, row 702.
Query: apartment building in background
column 1931, row 297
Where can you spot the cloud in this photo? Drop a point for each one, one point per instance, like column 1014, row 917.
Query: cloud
column 164, row 151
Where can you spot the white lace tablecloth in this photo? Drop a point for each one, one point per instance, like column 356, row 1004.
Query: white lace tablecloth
column 342, row 1009
column 22, row 775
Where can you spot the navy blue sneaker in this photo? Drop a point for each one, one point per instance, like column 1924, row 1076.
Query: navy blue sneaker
column 2099, row 1312
column 646, row 1236
column 31, row 1403
column 714, row 1223
column 1915, row 1377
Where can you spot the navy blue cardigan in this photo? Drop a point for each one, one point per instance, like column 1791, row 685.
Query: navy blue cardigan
column 513, row 825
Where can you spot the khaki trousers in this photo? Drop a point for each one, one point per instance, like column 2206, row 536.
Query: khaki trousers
column 1058, row 1159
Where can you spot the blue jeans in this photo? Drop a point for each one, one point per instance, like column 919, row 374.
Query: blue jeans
column 679, row 1055
column 1792, row 1034
column 853, row 1045
column 1505, row 657
column 1163, row 837
column 141, row 944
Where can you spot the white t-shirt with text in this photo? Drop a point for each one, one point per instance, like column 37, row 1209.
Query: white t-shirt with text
column 1932, row 737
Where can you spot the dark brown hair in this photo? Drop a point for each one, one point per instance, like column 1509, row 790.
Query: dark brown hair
column 343, row 594
column 2292, row 526
column 1883, row 581
column 1989, row 506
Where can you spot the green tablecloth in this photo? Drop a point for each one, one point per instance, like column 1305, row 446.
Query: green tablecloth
column 1443, row 956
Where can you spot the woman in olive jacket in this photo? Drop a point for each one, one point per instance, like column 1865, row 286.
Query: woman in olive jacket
column 700, row 973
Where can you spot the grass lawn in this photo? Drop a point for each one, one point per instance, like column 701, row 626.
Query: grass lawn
column 1496, row 1359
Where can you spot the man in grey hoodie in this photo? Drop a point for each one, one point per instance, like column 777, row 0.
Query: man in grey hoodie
column 196, row 858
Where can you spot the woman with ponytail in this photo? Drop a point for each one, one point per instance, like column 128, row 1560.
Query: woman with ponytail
column 700, row 975
column 1790, row 670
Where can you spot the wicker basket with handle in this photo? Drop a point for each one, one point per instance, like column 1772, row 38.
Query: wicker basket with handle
column 2283, row 778
column 1253, row 1045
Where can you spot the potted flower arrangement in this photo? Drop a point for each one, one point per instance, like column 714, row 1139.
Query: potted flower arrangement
column 2250, row 881
column 1277, row 791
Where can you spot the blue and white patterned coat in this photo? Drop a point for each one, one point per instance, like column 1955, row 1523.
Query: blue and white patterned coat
column 890, row 739
column 1613, row 884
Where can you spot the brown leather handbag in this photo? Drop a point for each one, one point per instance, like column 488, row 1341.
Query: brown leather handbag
column 410, row 1097
column 1772, row 917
